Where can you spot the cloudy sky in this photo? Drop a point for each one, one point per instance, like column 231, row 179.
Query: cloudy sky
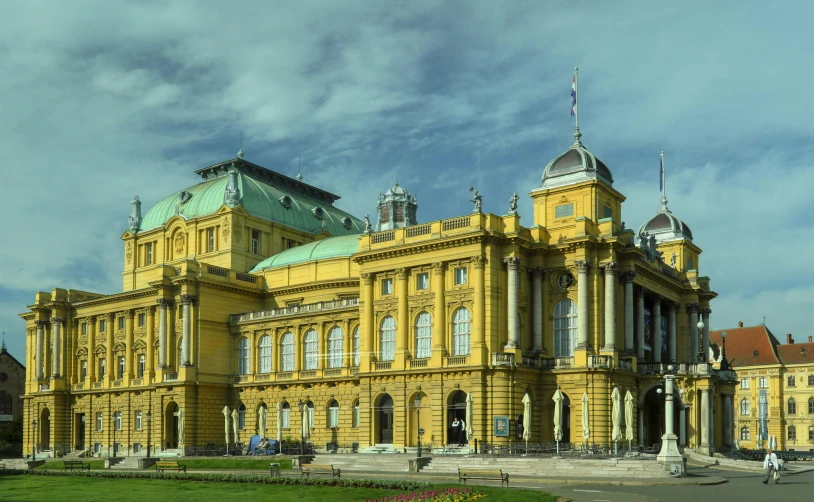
column 100, row 101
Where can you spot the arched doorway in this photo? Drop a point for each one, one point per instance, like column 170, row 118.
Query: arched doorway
column 653, row 416
column 385, row 420
column 45, row 429
column 171, row 426
column 456, row 408
column 420, row 418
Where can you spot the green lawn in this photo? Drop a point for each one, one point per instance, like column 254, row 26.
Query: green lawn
column 46, row 488
column 58, row 464
column 211, row 464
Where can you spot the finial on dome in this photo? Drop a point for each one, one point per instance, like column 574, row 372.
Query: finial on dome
column 663, row 184
column 299, row 168
column 575, row 106
column 3, row 347
column 240, row 154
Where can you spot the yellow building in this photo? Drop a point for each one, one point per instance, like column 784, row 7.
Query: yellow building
column 250, row 289
column 783, row 374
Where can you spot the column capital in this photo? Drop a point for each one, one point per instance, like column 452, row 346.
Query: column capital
column 657, row 298
column 537, row 271
column 188, row 299
column 692, row 307
column 583, row 266
column 706, row 311
column 111, row 316
column 640, row 291
column 610, row 267
column 57, row 320
column 627, row 275
column 163, row 303
column 402, row 273
column 438, row 267
column 368, row 278
column 512, row 262
column 478, row 261
column 672, row 305
column 41, row 324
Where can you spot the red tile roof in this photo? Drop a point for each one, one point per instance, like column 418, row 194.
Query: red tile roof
column 796, row 353
column 741, row 344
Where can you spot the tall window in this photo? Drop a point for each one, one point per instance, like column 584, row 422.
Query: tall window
column 256, row 241
column 286, row 415
column 387, row 286
column 422, row 282
column 744, row 383
column 333, row 414
column 148, row 254
column 745, row 436
column 99, row 422
column 5, row 405
column 763, row 382
column 565, row 328
column 84, row 370
column 210, row 240
column 811, row 406
column 792, row 432
column 311, row 349
column 791, row 381
column 121, row 367
column 85, row 330
column 387, row 350
column 810, row 379
column 356, row 414
column 356, row 342
column 121, row 323
column 138, row 420
column 287, row 352
column 811, row 433
column 102, row 368
column 792, row 407
column 117, row 420
column 102, row 326
column 310, row 414
column 243, row 356
column 241, row 417
column 461, row 325
column 423, row 335
column 746, row 409
column 265, row 354
column 142, row 364
column 336, row 347
column 460, row 276
column 142, row 320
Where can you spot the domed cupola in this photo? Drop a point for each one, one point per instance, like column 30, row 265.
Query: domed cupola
column 665, row 226
column 396, row 208
column 575, row 165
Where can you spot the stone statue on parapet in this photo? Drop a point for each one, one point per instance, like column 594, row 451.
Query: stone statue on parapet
column 673, row 261
column 477, row 199
column 513, row 204
column 368, row 225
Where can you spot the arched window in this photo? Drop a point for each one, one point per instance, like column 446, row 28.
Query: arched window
column 792, row 407
column 387, row 350
column 241, row 417
column 461, row 329
column 811, row 406
column 286, row 416
column 333, row 414
column 287, row 352
column 265, row 354
column 356, row 414
column 243, row 356
column 311, row 349
column 336, row 347
column 356, row 342
column 792, row 432
column 565, row 328
column 423, row 335
column 745, row 436
column 746, row 409
column 311, row 414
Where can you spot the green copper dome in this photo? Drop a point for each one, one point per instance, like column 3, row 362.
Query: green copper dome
column 262, row 193
column 335, row 247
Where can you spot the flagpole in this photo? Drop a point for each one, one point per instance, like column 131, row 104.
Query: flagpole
column 576, row 103
column 663, row 182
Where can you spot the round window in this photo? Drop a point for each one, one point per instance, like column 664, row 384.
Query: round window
column 565, row 280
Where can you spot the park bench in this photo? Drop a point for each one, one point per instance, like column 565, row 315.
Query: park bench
column 492, row 474
column 75, row 464
column 308, row 469
column 173, row 466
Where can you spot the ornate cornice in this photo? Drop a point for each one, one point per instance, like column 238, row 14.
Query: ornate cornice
column 314, row 286
column 119, row 297
column 419, row 248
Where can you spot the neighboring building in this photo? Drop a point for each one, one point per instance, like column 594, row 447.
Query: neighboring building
column 251, row 290
column 784, row 373
column 12, row 387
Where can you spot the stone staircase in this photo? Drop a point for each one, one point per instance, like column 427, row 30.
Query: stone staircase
column 76, row 454
column 15, row 463
column 396, row 462
column 171, row 453
column 550, row 467
column 127, row 463
column 379, row 448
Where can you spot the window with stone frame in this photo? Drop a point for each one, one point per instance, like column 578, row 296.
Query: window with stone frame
column 423, row 336
column 811, row 433
column 311, row 343
column 460, row 276
column 243, row 356
column 565, row 328
column 142, row 320
column 100, row 420
column 791, row 381
column 142, row 364
column 138, row 420
column 102, row 368
column 122, row 323
column 745, row 435
column 387, row 345
column 265, row 354
column 310, row 414
column 763, row 382
column 811, row 406
column 122, row 367
column 333, row 415
column 286, row 415
column 461, row 331
column 356, row 414
column 792, row 408
column 287, row 352
column 357, row 340
column 387, row 286
column 83, row 364
column 422, row 282
column 746, row 408
column 336, row 347
column 241, row 417
column 811, row 380
column 792, row 433
column 744, row 383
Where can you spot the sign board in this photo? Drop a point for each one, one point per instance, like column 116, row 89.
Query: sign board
column 763, row 412
column 502, row 426
column 420, row 432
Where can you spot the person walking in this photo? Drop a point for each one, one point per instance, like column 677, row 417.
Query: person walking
column 771, row 466
column 456, row 431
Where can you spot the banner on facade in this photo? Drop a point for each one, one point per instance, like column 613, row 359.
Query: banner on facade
column 502, row 426
column 763, row 409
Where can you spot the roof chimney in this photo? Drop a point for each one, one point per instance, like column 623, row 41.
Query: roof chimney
column 810, row 338
column 789, row 339
column 740, row 324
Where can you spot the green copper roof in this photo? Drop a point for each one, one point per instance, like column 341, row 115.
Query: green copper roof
column 259, row 198
column 335, row 247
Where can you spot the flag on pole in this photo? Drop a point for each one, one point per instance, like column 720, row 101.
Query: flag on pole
column 661, row 174
column 573, row 95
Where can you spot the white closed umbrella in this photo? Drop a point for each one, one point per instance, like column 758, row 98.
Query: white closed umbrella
column 181, row 426
column 470, row 432
column 235, row 425
column 261, row 421
column 629, row 419
column 616, row 417
column 279, row 422
column 226, row 426
column 305, row 430
column 586, row 425
column 558, row 398
column 527, row 420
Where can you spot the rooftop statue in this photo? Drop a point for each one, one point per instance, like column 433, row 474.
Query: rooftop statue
column 477, row 199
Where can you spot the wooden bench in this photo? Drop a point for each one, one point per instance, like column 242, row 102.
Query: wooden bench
column 308, row 469
column 492, row 474
column 75, row 464
column 172, row 466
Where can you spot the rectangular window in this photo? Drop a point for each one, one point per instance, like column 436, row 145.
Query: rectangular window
column 422, row 282
column 102, row 368
column 791, row 381
column 97, row 448
column 333, row 417
column 84, row 370
column 564, row 211
column 763, row 383
column 121, row 367
column 142, row 364
column 121, row 323
column 102, row 326
column 142, row 320
column 357, row 415
column 608, row 212
column 84, row 328
column 148, row 254
column 117, row 420
column 289, row 243
column 744, row 383
column 99, row 422
column 138, row 420
column 210, row 240
column 136, row 447
column 460, row 276
column 256, row 241
column 387, row 286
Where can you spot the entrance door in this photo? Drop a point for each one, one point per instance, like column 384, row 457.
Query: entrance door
column 80, row 431
column 386, row 420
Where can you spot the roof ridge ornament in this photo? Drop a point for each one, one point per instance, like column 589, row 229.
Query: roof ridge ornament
column 575, row 107
column 231, row 196
column 663, row 184
column 135, row 215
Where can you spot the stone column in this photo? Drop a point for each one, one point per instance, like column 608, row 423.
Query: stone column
column 403, row 324
column 705, row 334
column 110, row 369
column 537, row 307
column 91, row 351
column 128, row 342
column 368, row 314
column 56, row 325
column 512, row 265
column 656, row 354
column 163, row 303
column 640, row 324
column 671, row 324
column 669, row 453
column 582, row 303
column 705, row 415
column 478, row 304
column 186, row 329
column 149, row 371
column 39, row 360
column 682, row 427
column 439, row 318
column 693, row 333
column 628, row 277
column 641, row 425
column 610, row 306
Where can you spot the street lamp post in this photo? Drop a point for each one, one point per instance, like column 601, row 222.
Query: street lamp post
column 301, row 407
column 114, row 434
column 417, row 406
column 670, row 454
column 702, row 358
column 724, row 362
column 34, row 442
column 149, row 429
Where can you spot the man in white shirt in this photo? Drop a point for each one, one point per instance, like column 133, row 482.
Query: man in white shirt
column 771, row 466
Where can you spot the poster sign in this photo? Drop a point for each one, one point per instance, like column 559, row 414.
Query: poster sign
column 664, row 336
column 502, row 426
column 648, row 330
column 763, row 408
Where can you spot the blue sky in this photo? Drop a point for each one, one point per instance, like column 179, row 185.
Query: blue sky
column 100, row 101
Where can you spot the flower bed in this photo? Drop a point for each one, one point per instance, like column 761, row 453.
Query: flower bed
column 443, row 495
